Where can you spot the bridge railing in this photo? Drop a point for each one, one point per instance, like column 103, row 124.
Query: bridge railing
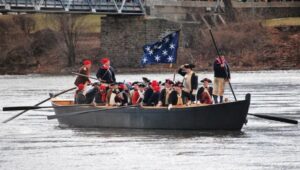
column 133, row 7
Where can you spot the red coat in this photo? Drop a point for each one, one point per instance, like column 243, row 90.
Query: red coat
column 135, row 96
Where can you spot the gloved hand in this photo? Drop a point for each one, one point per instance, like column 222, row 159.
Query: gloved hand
column 194, row 92
column 141, row 95
column 159, row 104
column 170, row 106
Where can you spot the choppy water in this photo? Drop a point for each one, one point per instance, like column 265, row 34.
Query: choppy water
column 33, row 142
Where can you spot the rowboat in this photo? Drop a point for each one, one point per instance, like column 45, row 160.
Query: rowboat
column 225, row 116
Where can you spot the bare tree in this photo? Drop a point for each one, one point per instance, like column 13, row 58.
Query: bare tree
column 71, row 26
column 25, row 23
column 229, row 10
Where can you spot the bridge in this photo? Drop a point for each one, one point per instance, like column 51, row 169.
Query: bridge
column 107, row 7
column 158, row 8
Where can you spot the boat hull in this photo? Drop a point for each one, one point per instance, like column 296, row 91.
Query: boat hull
column 225, row 116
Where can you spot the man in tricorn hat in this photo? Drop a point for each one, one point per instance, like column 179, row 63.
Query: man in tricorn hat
column 165, row 93
column 190, row 79
column 146, row 81
column 149, row 91
column 178, row 96
column 222, row 74
column 205, row 92
column 106, row 73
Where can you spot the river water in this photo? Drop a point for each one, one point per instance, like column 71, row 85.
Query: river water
column 32, row 142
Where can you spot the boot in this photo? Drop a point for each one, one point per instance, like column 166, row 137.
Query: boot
column 215, row 99
column 221, row 99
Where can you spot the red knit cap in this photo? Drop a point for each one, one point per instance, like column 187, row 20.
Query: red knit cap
column 87, row 62
column 154, row 83
column 104, row 60
column 156, row 88
column 122, row 86
column 80, row 86
column 102, row 87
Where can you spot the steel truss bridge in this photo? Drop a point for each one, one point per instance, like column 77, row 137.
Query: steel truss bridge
column 107, row 7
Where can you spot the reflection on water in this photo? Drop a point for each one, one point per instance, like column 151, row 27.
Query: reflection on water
column 33, row 142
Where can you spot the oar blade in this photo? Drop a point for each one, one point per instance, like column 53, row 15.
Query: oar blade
column 17, row 115
column 280, row 119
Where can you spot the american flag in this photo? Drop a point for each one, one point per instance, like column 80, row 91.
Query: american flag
column 162, row 51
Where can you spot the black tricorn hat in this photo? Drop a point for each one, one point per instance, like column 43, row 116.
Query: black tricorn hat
column 178, row 84
column 169, row 81
column 146, row 79
column 142, row 85
column 190, row 66
column 206, row 79
column 134, row 83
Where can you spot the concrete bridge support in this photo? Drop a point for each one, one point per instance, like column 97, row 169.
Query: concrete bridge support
column 124, row 37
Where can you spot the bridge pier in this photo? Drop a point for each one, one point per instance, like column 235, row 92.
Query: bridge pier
column 123, row 37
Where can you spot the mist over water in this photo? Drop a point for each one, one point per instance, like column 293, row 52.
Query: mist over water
column 33, row 142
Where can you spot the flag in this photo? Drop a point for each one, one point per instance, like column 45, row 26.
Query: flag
column 162, row 51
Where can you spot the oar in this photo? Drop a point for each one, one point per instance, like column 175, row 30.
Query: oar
column 15, row 116
column 87, row 111
column 14, row 108
column 280, row 119
column 78, row 74
column 214, row 42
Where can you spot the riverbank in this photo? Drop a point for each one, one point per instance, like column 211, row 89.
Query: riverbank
column 248, row 46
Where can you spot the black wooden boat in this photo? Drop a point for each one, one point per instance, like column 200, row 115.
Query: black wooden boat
column 225, row 116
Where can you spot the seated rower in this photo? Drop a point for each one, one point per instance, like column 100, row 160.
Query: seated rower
column 165, row 93
column 135, row 96
column 127, row 87
column 84, row 70
column 79, row 95
column 153, row 100
column 111, row 94
column 92, row 93
column 141, row 91
column 205, row 92
column 179, row 96
column 121, row 98
column 100, row 97
column 149, row 91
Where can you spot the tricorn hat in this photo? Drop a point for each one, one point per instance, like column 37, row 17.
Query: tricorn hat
column 206, row 79
column 190, row 66
column 178, row 84
column 135, row 83
column 142, row 85
column 145, row 79
column 169, row 81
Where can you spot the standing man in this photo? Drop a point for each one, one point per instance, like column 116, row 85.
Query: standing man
column 190, row 81
column 85, row 70
column 222, row 74
column 106, row 73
